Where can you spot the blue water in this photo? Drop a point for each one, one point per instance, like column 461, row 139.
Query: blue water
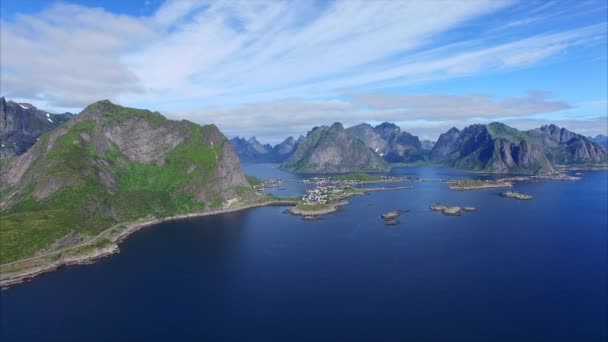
column 512, row 271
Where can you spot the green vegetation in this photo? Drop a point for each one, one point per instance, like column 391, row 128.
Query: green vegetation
column 501, row 131
column 359, row 177
column 5, row 161
column 85, row 205
column 314, row 207
column 116, row 114
column 253, row 180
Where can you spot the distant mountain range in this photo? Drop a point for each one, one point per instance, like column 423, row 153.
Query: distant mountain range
column 252, row 151
column 21, row 124
column 495, row 147
column 600, row 139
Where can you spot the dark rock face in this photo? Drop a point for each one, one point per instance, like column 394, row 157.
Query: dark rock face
column 389, row 142
column 21, row 124
column 564, row 147
column 600, row 139
column 445, row 144
column 332, row 149
column 252, row 151
column 494, row 148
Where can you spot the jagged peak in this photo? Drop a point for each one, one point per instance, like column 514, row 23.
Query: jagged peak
column 453, row 130
column 388, row 125
column 336, row 125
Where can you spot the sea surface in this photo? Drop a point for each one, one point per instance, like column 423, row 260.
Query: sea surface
column 512, row 271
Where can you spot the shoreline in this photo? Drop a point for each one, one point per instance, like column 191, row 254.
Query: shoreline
column 29, row 268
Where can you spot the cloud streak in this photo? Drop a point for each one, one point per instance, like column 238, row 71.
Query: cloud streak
column 430, row 111
column 256, row 67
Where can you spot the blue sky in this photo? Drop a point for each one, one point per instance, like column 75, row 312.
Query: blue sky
column 277, row 68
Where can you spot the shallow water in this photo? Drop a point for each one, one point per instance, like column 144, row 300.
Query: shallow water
column 512, row 271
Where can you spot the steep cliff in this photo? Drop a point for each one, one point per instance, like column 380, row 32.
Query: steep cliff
column 332, row 149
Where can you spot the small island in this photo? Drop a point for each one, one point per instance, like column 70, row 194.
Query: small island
column 390, row 218
column 474, row 184
column 326, row 199
column 517, row 195
column 451, row 210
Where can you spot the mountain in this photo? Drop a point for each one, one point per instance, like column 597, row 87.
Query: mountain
column 563, row 147
column 492, row 148
column 389, row 142
column 285, row 149
column 446, row 143
column 252, row 151
column 21, row 124
column 332, row 149
column 600, row 139
column 112, row 164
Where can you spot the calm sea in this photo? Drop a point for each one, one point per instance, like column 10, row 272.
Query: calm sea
column 512, row 271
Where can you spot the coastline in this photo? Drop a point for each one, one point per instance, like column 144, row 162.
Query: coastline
column 102, row 245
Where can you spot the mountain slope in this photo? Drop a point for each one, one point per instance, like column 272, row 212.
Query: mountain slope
column 600, row 139
column 112, row 164
column 492, row 148
column 21, row 124
column 332, row 149
column 389, row 142
column 563, row 147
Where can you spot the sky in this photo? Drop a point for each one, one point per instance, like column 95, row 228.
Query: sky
column 274, row 69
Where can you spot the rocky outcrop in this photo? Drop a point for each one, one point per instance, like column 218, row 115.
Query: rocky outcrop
column 388, row 141
column 21, row 124
column 332, row 149
column 565, row 148
column 492, row 148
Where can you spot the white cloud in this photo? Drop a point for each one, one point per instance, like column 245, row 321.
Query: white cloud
column 257, row 67
column 69, row 55
column 425, row 114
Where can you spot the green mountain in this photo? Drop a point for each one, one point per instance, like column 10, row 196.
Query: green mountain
column 333, row 150
column 108, row 165
column 491, row 148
